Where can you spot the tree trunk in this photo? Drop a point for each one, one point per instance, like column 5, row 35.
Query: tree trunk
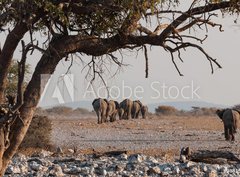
column 46, row 65
column 6, row 54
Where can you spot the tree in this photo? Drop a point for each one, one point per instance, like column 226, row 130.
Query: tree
column 97, row 28
column 12, row 78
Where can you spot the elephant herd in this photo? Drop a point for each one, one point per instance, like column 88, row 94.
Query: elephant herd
column 127, row 109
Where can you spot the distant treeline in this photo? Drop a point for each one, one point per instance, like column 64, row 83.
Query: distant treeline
column 195, row 111
column 160, row 110
column 62, row 110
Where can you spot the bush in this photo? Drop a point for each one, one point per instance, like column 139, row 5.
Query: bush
column 39, row 133
column 237, row 107
column 59, row 110
column 81, row 111
column 166, row 110
column 197, row 111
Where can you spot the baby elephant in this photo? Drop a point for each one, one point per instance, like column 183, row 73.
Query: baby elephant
column 230, row 118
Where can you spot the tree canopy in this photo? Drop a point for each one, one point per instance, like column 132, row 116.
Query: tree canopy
column 97, row 28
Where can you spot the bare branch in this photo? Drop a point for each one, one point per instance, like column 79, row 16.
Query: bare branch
column 146, row 60
column 173, row 61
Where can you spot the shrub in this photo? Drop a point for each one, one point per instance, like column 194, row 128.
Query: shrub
column 59, row 110
column 197, row 111
column 82, row 111
column 166, row 110
column 237, row 107
column 39, row 133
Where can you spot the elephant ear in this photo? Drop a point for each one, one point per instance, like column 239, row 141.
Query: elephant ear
column 220, row 113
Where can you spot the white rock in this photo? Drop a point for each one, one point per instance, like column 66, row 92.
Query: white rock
column 23, row 168
column 85, row 170
column 155, row 170
column 152, row 159
column 13, row 170
column 183, row 159
column 176, row 170
column 194, row 171
column 34, row 166
column 75, row 170
column 44, row 153
column 123, row 156
column 189, row 164
column 71, row 151
column 136, row 158
column 204, row 168
column 56, row 171
column 167, row 169
column 104, row 172
column 212, row 173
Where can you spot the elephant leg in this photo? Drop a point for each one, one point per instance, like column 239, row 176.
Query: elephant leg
column 137, row 114
column 129, row 113
column 132, row 115
column 235, row 125
column 231, row 132
column 98, row 116
column 112, row 118
column 226, row 132
column 103, row 116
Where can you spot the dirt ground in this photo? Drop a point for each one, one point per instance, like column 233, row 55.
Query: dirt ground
column 155, row 135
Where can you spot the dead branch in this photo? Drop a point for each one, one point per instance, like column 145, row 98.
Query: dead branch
column 21, row 72
column 206, row 156
column 146, row 60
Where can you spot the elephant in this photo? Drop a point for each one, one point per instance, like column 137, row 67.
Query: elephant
column 112, row 110
column 120, row 113
column 144, row 111
column 126, row 106
column 136, row 108
column 100, row 106
column 230, row 118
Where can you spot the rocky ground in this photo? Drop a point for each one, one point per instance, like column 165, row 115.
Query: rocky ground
column 44, row 164
column 149, row 147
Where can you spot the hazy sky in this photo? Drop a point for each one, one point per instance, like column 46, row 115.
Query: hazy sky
column 222, row 87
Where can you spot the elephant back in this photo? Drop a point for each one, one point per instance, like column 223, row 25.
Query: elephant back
column 139, row 103
column 94, row 101
column 99, row 103
column 127, row 103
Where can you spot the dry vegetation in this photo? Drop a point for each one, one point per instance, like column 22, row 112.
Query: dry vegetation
column 195, row 111
column 38, row 134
